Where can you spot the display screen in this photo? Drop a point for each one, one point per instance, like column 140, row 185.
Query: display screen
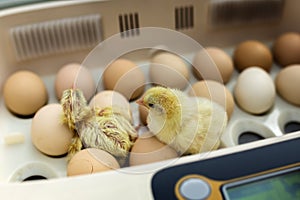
column 280, row 185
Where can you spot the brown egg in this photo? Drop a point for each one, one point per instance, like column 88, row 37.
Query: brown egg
column 168, row 70
column 252, row 53
column 89, row 161
column 125, row 77
column 24, row 93
column 213, row 64
column 48, row 134
column 288, row 82
column 148, row 149
column 287, row 49
column 109, row 98
column 143, row 114
column 74, row 75
column 215, row 91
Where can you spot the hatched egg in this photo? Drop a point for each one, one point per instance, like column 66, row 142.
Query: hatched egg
column 252, row 53
column 169, row 70
column 48, row 134
column 216, row 92
column 74, row 75
column 287, row 84
column 24, row 93
column 91, row 160
column 124, row 77
column 213, row 63
column 255, row 91
column 287, row 49
column 148, row 149
column 110, row 98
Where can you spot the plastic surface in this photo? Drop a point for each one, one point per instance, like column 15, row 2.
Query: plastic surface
column 21, row 160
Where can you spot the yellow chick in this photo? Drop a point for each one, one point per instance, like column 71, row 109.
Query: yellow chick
column 105, row 129
column 188, row 124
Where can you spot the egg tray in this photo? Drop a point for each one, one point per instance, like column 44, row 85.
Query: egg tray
column 19, row 162
column 270, row 124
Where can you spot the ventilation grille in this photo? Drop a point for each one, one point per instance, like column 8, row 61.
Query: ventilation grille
column 232, row 12
column 184, row 17
column 57, row 36
column 129, row 24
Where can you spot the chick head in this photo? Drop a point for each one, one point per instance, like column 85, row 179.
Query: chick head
column 160, row 100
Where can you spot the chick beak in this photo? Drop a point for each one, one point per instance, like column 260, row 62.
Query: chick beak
column 140, row 102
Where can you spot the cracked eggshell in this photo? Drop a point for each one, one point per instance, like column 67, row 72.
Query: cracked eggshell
column 91, row 160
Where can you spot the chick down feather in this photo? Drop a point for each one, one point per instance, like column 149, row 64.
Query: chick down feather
column 188, row 124
column 102, row 128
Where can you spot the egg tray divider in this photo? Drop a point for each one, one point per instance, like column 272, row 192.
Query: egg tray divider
column 20, row 161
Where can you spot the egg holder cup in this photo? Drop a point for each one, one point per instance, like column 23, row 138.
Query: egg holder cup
column 269, row 124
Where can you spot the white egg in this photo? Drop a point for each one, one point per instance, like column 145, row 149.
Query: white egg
column 255, row 91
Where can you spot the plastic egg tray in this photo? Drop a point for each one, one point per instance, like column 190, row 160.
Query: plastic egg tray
column 21, row 161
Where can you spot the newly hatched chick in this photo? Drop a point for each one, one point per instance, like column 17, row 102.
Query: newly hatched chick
column 188, row 124
column 105, row 129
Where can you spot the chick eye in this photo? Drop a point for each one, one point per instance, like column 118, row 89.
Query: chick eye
column 150, row 105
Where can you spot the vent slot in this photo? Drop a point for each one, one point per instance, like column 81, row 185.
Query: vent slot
column 129, row 24
column 184, row 17
column 57, row 36
column 235, row 12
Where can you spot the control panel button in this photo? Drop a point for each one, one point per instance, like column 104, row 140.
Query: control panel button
column 194, row 189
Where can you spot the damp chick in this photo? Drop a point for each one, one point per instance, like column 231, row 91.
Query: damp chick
column 102, row 128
